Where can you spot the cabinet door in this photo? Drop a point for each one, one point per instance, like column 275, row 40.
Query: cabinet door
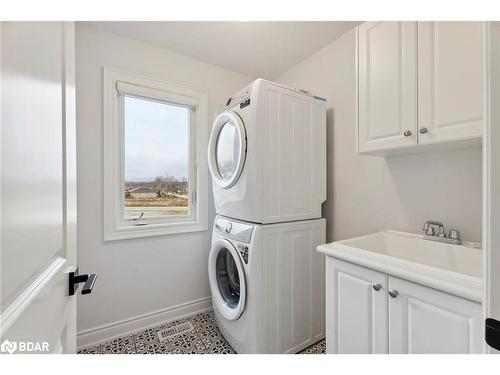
column 424, row 320
column 356, row 313
column 450, row 81
column 387, row 85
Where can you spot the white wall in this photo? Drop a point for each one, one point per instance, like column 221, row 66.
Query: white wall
column 139, row 276
column 366, row 193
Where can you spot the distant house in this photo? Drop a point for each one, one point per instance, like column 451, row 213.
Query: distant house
column 142, row 192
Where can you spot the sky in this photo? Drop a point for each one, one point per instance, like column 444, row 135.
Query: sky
column 156, row 140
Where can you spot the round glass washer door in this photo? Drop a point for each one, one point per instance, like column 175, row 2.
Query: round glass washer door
column 227, row 149
column 227, row 279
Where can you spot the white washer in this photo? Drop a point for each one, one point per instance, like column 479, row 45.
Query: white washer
column 267, row 155
column 267, row 284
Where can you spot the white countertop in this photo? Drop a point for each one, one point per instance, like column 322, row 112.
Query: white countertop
column 451, row 268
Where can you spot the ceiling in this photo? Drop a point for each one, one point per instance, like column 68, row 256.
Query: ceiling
column 258, row 49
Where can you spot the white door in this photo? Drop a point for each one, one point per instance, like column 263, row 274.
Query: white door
column 450, row 81
column 387, row 85
column 227, row 149
column 356, row 312
column 491, row 187
column 424, row 320
column 38, row 187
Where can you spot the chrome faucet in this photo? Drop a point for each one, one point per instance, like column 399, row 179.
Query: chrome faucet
column 429, row 228
column 430, row 233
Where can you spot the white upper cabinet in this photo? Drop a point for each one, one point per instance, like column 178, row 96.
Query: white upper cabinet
column 419, row 84
column 450, row 81
column 387, row 85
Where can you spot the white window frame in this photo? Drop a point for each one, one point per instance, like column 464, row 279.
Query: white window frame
column 116, row 83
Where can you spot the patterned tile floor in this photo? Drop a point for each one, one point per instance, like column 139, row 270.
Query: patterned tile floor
column 204, row 338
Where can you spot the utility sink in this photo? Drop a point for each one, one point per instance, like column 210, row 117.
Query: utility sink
column 457, row 268
column 411, row 247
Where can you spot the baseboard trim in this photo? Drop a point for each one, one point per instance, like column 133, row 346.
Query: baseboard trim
column 122, row 327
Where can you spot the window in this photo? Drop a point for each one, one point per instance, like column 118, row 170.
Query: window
column 156, row 163
column 154, row 150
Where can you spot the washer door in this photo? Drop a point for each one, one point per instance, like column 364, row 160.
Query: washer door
column 227, row 279
column 227, row 149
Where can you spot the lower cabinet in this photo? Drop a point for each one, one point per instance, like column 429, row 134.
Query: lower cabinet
column 425, row 320
column 356, row 309
column 371, row 312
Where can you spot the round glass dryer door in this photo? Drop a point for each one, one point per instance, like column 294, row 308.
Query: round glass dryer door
column 227, row 149
column 227, row 279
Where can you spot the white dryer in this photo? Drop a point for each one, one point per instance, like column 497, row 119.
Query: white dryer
column 267, row 155
column 267, row 284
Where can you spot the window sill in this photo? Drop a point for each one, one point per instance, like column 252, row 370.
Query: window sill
column 153, row 230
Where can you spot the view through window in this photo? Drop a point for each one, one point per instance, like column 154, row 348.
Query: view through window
column 156, row 159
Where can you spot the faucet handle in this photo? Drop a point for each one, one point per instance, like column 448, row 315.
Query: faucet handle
column 454, row 234
column 441, row 231
column 429, row 228
column 429, row 231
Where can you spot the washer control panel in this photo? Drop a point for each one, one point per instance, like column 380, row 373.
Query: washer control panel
column 234, row 230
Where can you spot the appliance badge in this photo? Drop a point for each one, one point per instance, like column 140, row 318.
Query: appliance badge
column 245, row 103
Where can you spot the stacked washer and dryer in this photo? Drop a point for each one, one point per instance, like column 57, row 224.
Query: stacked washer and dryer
column 267, row 157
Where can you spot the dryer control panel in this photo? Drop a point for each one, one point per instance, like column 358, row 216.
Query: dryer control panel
column 234, row 230
column 242, row 98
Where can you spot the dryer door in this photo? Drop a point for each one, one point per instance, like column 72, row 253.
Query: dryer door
column 227, row 279
column 227, row 149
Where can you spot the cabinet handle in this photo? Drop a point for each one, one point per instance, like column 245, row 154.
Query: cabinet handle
column 376, row 287
column 407, row 133
column 393, row 293
column 423, row 130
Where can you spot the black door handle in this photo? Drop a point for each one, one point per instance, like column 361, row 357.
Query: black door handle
column 492, row 333
column 75, row 278
column 89, row 284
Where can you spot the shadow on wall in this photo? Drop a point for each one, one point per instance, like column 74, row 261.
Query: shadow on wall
column 367, row 193
column 437, row 186
column 327, row 207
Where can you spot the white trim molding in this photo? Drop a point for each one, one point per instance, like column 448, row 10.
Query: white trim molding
column 122, row 327
column 115, row 227
column 491, row 176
